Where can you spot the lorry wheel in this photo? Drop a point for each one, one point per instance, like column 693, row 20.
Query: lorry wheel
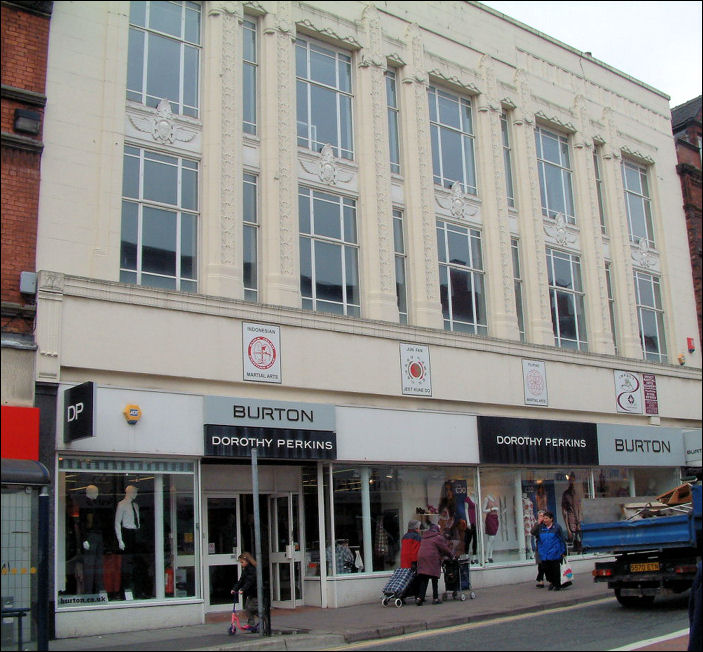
column 634, row 600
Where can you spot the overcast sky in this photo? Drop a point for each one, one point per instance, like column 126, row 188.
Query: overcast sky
column 658, row 43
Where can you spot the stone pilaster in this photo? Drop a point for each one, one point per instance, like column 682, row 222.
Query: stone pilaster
column 588, row 222
column 423, row 276
column 280, row 264
column 221, row 206
column 500, row 289
column 629, row 344
column 377, row 267
column 538, row 320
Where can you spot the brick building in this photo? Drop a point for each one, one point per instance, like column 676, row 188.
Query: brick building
column 686, row 125
column 25, row 39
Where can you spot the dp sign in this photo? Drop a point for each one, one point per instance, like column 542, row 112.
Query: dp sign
column 78, row 413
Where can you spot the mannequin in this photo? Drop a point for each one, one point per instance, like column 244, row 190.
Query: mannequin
column 127, row 522
column 490, row 509
column 91, row 527
column 571, row 513
column 471, row 538
column 529, row 520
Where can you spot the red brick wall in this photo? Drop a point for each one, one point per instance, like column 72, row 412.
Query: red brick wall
column 23, row 60
column 689, row 169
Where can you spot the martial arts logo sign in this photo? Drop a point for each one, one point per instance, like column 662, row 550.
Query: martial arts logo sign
column 415, row 370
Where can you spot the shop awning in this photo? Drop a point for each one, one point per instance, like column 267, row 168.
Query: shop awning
column 27, row 472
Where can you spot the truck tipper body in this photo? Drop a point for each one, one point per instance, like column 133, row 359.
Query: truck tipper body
column 653, row 555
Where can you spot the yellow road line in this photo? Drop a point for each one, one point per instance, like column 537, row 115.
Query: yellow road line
column 467, row 626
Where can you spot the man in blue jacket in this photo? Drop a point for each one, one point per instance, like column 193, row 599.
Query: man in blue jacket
column 552, row 548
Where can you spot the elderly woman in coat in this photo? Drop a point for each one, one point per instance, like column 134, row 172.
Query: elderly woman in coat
column 433, row 549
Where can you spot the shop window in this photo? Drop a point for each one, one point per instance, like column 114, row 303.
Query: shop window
column 127, row 531
column 391, row 496
column 511, row 499
column 611, row 482
column 652, row 482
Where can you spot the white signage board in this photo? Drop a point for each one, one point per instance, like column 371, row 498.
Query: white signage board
column 628, row 392
column 534, row 376
column 416, row 379
column 261, row 349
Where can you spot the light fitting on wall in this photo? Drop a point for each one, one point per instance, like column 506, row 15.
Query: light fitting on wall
column 27, row 121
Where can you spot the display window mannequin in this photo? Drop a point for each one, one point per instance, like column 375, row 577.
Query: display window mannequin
column 127, row 523
column 91, row 524
column 491, row 511
column 571, row 513
column 471, row 537
column 529, row 521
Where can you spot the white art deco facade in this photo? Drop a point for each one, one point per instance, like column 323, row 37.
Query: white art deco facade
column 410, row 252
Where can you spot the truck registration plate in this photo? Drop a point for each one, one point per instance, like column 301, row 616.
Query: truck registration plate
column 643, row 568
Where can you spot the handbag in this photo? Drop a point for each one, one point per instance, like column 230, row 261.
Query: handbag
column 566, row 572
column 358, row 562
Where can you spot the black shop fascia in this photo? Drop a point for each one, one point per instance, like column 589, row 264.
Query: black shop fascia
column 276, row 429
column 537, row 442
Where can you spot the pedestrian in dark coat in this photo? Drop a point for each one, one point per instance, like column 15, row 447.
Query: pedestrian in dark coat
column 551, row 546
column 433, row 549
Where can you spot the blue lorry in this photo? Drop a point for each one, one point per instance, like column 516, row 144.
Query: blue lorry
column 652, row 555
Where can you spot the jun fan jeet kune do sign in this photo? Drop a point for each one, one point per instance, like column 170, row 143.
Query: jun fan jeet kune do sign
column 276, row 429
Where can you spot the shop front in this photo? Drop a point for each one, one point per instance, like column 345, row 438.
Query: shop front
column 127, row 520
column 581, row 472
column 291, row 439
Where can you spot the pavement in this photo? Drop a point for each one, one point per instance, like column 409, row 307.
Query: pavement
column 313, row 628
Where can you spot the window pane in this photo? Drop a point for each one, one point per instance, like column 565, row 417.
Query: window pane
column 323, row 66
column 128, row 238
column 349, row 224
column 458, row 248
column 462, row 291
column 448, row 111
column 163, row 69
column 345, row 126
column 344, row 70
column 130, row 177
column 304, row 213
column 328, row 272
column 249, row 94
column 305, row 268
column 192, row 34
column 165, row 17
column 444, row 290
column 555, row 192
column 159, row 241
column 352, row 274
column 324, row 114
column 137, row 12
column 189, row 189
column 452, row 168
column 250, row 275
column 135, row 61
column 550, row 149
column 190, row 76
column 160, row 182
column 189, row 241
column 327, row 219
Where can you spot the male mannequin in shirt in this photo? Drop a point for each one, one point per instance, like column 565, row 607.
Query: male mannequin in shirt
column 127, row 522
column 92, row 527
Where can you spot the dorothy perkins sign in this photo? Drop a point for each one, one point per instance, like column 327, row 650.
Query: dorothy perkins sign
column 276, row 429
column 536, row 441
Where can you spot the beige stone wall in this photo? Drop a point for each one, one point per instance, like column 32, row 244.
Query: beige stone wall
column 160, row 339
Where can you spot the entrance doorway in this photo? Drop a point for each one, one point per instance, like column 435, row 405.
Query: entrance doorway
column 229, row 531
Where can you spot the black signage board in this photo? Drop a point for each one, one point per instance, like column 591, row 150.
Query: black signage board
column 535, row 442
column 79, row 412
column 270, row 443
